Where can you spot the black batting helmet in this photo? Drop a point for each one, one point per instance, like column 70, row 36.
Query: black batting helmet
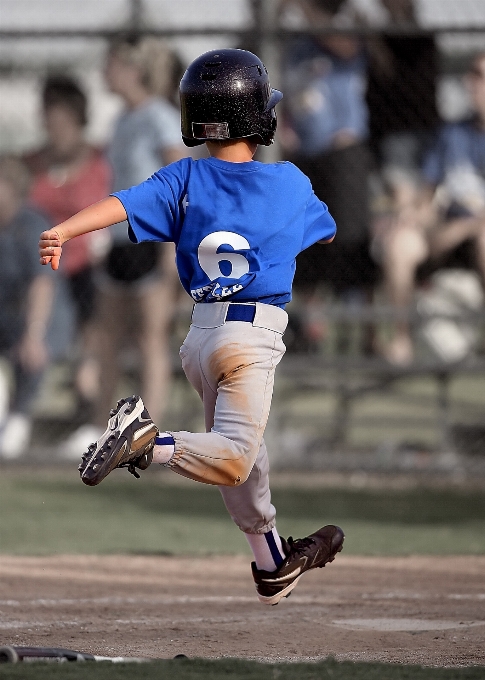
column 225, row 94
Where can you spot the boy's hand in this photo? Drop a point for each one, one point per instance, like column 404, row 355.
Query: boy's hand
column 50, row 248
column 97, row 216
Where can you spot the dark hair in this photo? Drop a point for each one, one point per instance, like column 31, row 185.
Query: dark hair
column 64, row 91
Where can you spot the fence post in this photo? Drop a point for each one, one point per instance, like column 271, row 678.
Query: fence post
column 136, row 15
column 265, row 18
column 446, row 437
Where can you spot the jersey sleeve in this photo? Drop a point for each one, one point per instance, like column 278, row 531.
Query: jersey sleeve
column 155, row 207
column 319, row 224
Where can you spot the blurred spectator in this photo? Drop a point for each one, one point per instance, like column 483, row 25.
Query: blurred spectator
column 401, row 95
column 444, row 227
column 137, row 284
column 69, row 175
column 328, row 118
column 26, row 293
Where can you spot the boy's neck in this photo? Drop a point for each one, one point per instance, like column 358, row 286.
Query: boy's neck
column 233, row 150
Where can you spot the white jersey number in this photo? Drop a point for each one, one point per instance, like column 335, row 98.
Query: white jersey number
column 210, row 260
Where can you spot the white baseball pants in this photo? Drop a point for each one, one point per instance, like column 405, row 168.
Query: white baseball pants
column 231, row 364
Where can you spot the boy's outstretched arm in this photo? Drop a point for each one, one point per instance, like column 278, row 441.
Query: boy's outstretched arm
column 97, row 216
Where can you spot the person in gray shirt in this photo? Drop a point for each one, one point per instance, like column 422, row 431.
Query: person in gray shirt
column 137, row 286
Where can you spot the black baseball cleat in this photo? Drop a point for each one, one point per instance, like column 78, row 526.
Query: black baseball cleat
column 127, row 442
column 302, row 554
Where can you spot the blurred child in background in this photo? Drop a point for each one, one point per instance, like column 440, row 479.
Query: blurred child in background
column 69, row 175
column 445, row 227
column 137, row 286
column 26, row 293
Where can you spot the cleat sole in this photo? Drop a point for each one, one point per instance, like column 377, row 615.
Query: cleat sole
column 107, row 453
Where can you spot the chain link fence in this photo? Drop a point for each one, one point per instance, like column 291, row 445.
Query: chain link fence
column 368, row 85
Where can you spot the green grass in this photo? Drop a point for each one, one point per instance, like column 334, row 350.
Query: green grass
column 48, row 512
column 232, row 669
column 403, row 413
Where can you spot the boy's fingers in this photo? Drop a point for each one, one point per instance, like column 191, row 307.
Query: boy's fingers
column 50, row 250
column 50, row 254
column 49, row 238
column 45, row 242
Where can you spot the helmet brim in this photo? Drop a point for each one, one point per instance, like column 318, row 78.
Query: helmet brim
column 275, row 97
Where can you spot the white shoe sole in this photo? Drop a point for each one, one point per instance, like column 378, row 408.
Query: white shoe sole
column 274, row 599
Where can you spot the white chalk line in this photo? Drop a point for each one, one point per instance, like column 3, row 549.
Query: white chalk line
column 160, row 599
column 9, row 625
column 230, row 599
column 146, row 622
column 407, row 595
column 403, row 624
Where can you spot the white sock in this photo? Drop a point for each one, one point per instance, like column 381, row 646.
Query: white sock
column 267, row 550
column 164, row 448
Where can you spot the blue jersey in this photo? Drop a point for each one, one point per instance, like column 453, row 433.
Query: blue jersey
column 237, row 227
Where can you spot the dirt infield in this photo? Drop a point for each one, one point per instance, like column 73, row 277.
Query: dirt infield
column 420, row 610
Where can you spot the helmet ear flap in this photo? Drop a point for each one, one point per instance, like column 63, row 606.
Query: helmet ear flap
column 192, row 142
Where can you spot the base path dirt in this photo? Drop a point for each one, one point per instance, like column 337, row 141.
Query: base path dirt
column 412, row 610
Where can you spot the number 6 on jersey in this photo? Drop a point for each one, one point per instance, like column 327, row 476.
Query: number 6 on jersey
column 210, row 260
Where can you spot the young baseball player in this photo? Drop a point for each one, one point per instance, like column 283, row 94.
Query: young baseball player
column 238, row 226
